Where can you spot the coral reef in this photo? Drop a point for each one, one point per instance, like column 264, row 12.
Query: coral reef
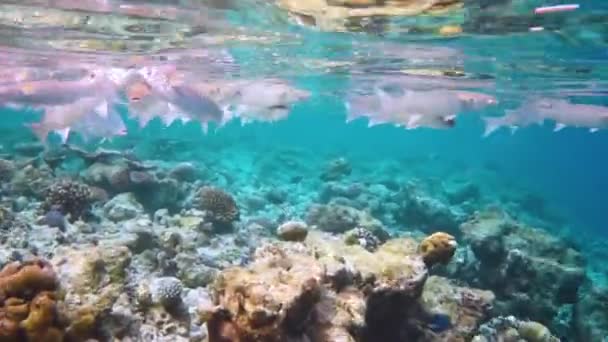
column 437, row 248
column 363, row 238
column 531, row 272
column 220, row 207
column 338, row 218
column 325, row 290
column 420, row 211
column 28, row 309
column 511, row 329
column 336, row 169
column 166, row 291
column 591, row 315
column 73, row 199
column 7, row 218
column 292, row 231
column 7, row 170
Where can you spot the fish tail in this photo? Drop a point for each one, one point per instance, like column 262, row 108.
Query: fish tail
column 492, row 124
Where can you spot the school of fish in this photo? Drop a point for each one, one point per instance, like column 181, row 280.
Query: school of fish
column 87, row 99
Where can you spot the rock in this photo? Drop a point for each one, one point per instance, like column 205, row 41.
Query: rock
column 123, row 207
column 324, row 290
column 591, row 315
column 92, row 278
column 293, row 231
column 338, row 218
column 511, row 329
column 276, row 196
column 532, row 272
column 184, row 172
column 336, row 169
column 422, row 212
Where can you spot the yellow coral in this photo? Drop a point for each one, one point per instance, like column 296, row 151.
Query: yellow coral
column 437, row 248
column 534, row 332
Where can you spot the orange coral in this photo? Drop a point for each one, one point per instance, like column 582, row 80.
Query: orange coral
column 28, row 305
column 437, row 248
column 18, row 279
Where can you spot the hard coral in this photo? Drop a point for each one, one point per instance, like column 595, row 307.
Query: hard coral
column 437, row 248
column 28, row 311
column 323, row 290
column 7, row 170
column 219, row 206
column 70, row 197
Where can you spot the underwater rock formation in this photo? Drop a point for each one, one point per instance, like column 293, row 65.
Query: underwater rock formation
column 420, row 211
column 123, row 207
column 219, row 206
column 338, row 218
column 511, row 329
column 336, row 169
column 324, row 290
column 341, row 14
column 7, row 218
column 7, row 170
column 32, row 181
column 72, row 198
column 531, row 272
column 292, row 231
column 591, row 315
column 92, row 278
column 151, row 191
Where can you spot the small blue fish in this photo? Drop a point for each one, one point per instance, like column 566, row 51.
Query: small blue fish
column 54, row 218
column 439, row 323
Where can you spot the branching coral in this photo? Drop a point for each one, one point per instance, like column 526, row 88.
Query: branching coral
column 437, row 248
column 219, row 206
column 69, row 197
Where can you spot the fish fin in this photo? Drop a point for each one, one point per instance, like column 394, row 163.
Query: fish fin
column 64, row 134
column 39, row 131
column 513, row 129
column 412, row 122
column 492, row 124
column 559, row 127
column 205, row 128
column 593, row 130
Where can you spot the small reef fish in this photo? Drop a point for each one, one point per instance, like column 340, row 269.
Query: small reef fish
column 54, row 92
column 556, row 8
column 265, row 100
column 562, row 112
column 184, row 101
column 61, row 118
column 92, row 125
column 413, row 109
